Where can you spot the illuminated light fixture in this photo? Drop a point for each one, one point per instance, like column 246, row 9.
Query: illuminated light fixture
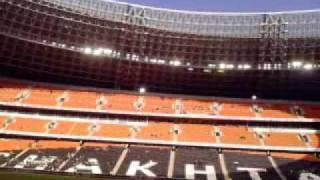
column 246, row 66
column 297, row 64
column 207, row 70
column 222, row 66
column 175, row 63
column 308, row 67
column 142, row 90
column 97, row 52
column 87, row 50
column 226, row 66
column 190, row 69
column 161, row 61
column 254, row 97
column 107, row 51
column 211, row 65
column 63, row 45
column 230, row 66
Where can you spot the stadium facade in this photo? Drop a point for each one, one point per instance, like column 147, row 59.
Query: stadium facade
column 124, row 46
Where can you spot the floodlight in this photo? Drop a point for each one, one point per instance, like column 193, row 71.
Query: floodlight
column 97, row 52
column 254, row 97
column 107, row 51
column 87, row 50
column 308, row 66
column 297, row 64
column 142, row 90
column 222, row 66
column 176, row 63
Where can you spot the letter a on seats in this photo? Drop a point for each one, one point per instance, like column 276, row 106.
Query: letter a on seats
column 191, row 172
column 135, row 166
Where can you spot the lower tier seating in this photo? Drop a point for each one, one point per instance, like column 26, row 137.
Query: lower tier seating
column 166, row 132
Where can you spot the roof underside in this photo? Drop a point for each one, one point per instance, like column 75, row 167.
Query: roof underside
column 45, row 41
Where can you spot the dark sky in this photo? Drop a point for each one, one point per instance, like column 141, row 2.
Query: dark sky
column 231, row 5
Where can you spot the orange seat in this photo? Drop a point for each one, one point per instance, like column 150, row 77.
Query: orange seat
column 29, row 125
column 196, row 133
column 56, row 145
column 238, row 135
column 63, row 128
column 9, row 93
column 283, row 139
column 276, row 111
column 80, row 129
column 14, row 144
column 197, row 107
column 295, row 157
column 236, row 109
column 156, row 131
column 43, row 96
column 311, row 111
column 2, row 121
column 159, row 105
column 120, row 102
column 315, row 140
column 81, row 99
column 113, row 131
column 102, row 145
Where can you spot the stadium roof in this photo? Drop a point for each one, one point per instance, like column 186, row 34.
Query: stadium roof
column 230, row 5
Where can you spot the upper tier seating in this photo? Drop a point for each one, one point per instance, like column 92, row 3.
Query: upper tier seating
column 120, row 102
column 311, row 111
column 9, row 92
column 116, row 101
column 276, row 111
column 159, row 105
column 197, row 107
column 43, row 96
column 237, row 109
column 81, row 99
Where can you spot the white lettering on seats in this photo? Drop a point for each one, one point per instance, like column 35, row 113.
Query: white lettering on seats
column 253, row 172
column 191, row 172
column 136, row 166
column 91, row 167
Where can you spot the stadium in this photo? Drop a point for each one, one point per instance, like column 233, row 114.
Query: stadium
column 112, row 90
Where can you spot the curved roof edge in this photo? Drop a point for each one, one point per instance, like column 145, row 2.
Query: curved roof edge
column 213, row 13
